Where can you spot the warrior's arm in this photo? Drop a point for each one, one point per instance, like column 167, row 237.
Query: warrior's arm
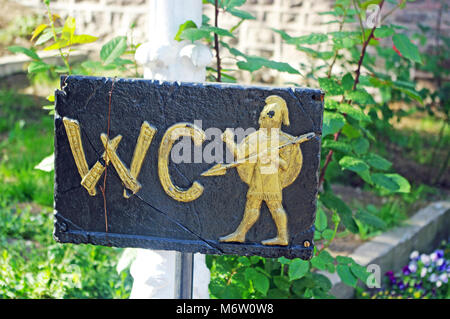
column 283, row 163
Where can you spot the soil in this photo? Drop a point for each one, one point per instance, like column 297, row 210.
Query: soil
column 413, row 171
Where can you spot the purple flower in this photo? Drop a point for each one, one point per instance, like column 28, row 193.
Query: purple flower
column 401, row 285
column 418, row 285
column 433, row 278
column 434, row 256
column 425, row 259
column 412, row 267
column 406, row 270
column 423, row 272
column 439, row 253
column 414, row 255
column 390, row 273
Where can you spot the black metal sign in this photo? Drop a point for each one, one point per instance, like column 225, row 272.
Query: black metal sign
column 210, row 168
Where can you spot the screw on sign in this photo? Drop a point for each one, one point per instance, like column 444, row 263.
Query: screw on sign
column 260, row 199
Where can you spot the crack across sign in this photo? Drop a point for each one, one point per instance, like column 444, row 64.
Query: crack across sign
column 181, row 225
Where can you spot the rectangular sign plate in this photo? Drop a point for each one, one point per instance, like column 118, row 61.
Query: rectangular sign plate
column 210, row 168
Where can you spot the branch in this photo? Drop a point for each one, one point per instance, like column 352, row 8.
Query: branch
column 329, row 157
column 216, row 40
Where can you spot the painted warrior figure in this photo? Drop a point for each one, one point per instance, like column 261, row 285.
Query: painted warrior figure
column 267, row 160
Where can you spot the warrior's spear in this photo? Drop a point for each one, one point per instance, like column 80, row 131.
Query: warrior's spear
column 221, row 169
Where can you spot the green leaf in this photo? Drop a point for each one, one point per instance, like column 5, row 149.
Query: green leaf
column 51, row 98
column 121, row 62
column 336, row 204
column 331, row 86
column 284, row 261
column 328, row 234
column 350, row 131
column 260, row 282
column 360, row 96
column 353, row 164
column 297, row 269
column 321, row 220
column 404, row 185
column 44, row 37
column 354, row 112
column 254, row 63
column 283, row 34
column 360, row 272
column 113, row 49
column 360, row 145
column 218, row 31
column 58, row 45
column 38, row 66
column 317, row 263
column 344, row 260
column 68, row 29
column 331, row 104
column 370, row 219
column 332, row 123
column 29, row 52
column 321, row 281
column 347, row 82
column 383, row 32
column 337, row 146
column 392, row 182
column 411, row 93
column 313, row 38
column 38, row 31
column 323, row 55
column 189, row 24
column 281, row 282
column 83, row 38
column 228, row 3
column 408, row 49
column 241, row 14
column 377, row 162
column 384, row 181
column 346, row 275
column 194, row 34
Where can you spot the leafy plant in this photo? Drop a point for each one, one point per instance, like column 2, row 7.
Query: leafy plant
column 425, row 277
column 350, row 120
column 31, row 264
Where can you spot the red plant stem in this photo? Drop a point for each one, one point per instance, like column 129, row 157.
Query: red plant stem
column 103, row 189
column 216, row 40
column 329, row 157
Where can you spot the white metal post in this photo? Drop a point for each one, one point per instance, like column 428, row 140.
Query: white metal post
column 163, row 58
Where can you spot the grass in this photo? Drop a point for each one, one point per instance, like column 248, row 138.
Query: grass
column 32, row 264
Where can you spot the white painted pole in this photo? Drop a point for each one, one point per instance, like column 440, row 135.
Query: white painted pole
column 164, row 58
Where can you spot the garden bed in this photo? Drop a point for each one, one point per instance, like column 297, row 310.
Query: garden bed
column 391, row 250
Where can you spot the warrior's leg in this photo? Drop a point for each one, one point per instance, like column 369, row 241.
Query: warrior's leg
column 251, row 215
column 280, row 218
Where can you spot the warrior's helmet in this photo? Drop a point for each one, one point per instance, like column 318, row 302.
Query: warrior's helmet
column 274, row 112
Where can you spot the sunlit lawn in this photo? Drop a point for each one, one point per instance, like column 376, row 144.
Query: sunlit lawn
column 32, row 264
